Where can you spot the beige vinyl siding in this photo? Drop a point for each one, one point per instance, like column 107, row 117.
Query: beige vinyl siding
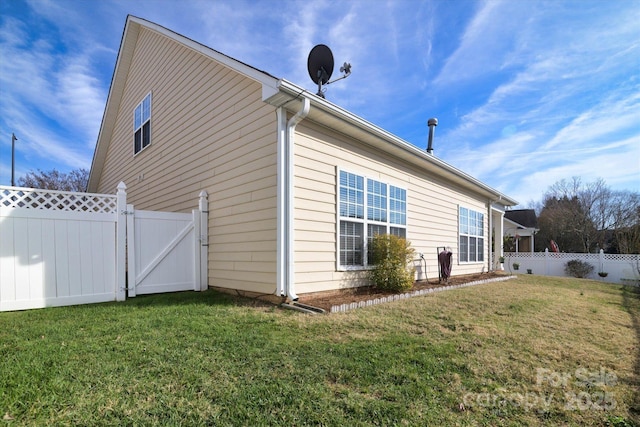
column 210, row 131
column 432, row 207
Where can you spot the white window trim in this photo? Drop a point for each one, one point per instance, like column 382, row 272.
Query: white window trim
column 483, row 237
column 150, row 95
column 365, row 221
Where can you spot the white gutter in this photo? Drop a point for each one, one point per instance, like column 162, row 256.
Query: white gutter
column 285, row 275
column 344, row 115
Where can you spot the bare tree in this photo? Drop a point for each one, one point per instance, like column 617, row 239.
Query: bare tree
column 625, row 217
column 75, row 180
column 584, row 217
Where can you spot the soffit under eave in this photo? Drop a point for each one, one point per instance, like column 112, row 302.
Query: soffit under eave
column 520, row 226
column 378, row 138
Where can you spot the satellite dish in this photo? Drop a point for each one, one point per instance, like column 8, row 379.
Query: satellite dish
column 320, row 64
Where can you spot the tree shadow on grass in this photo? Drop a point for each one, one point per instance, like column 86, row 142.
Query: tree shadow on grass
column 631, row 303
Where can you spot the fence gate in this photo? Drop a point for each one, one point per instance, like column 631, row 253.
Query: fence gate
column 64, row 248
column 166, row 250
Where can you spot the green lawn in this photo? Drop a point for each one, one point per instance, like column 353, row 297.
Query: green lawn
column 529, row 351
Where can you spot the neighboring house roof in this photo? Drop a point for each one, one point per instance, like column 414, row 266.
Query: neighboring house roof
column 512, row 228
column 279, row 93
column 524, row 217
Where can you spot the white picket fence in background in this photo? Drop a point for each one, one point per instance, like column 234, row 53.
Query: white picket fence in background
column 620, row 268
column 62, row 248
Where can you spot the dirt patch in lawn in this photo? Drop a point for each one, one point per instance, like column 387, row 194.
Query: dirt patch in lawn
column 326, row 300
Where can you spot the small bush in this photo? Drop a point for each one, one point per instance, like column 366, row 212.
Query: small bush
column 392, row 258
column 577, row 268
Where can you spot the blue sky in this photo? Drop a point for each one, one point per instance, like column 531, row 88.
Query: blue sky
column 526, row 92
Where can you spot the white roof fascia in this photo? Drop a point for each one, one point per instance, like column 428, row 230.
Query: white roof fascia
column 242, row 68
column 295, row 92
column 116, row 89
column 277, row 92
column 518, row 226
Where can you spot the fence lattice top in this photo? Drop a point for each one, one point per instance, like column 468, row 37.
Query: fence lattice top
column 30, row 198
column 569, row 256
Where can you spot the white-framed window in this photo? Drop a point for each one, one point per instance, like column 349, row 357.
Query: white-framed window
column 142, row 125
column 366, row 207
column 471, row 235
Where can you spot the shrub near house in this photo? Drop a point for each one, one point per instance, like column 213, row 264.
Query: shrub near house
column 391, row 256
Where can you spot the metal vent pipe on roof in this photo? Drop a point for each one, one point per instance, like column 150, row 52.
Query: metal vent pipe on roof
column 432, row 126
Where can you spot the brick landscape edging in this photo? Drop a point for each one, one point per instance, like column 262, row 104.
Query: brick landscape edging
column 390, row 298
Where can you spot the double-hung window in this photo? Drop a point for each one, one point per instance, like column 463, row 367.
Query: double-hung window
column 367, row 207
column 471, row 235
column 142, row 125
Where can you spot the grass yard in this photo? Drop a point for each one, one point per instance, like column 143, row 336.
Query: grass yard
column 529, row 351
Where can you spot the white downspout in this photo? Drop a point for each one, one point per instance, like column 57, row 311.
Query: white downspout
column 281, row 226
column 289, row 283
column 492, row 247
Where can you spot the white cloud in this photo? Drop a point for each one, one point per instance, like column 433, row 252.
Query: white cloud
column 79, row 100
column 526, row 89
column 48, row 93
column 484, row 46
column 46, row 148
column 593, row 126
column 618, row 164
column 568, row 108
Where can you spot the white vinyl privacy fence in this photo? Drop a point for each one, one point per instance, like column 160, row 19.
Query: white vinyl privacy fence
column 619, row 268
column 64, row 248
column 167, row 251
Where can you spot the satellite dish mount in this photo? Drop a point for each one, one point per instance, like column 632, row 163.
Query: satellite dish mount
column 320, row 66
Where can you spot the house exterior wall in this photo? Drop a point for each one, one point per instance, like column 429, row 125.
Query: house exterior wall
column 210, row 131
column 432, row 208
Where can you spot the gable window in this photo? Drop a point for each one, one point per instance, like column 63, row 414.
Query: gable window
column 367, row 207
column 471, row 235
column 142, row 125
